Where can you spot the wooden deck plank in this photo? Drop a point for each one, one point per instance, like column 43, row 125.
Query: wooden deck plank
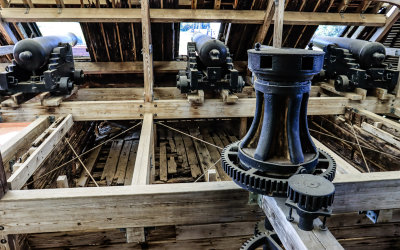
column 112, row 161
column 181, row 150
column 119, row 177
column 163, row 162
column 131, row 163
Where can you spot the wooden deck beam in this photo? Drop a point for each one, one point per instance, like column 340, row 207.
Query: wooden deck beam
column 179, row 109
column 51, row 210
column 185, row 15
column 92, row 68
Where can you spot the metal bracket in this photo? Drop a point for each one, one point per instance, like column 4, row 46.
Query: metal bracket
column 59, row 9
column 371, row 214
column 27, row 10
column 255, row 198
column 52, row 118
column 341, row 14
column 362, row 15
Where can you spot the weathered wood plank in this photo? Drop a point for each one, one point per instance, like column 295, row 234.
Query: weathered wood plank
column 62, row 181
column 119, row 176
column 23, row 173
column 209, row 231
column 143, row 162
column 147, row 51
column 112, row 161
column 22, row 141
column 163, row 162
column 177, row 109
column 185, row 15
column 131, row 164
column 124, row 206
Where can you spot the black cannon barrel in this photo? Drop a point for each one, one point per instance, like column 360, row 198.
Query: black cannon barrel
column 33, row 53
column 211, row 52
column 368, row 53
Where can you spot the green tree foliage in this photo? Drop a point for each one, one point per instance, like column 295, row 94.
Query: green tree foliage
column 329, row 30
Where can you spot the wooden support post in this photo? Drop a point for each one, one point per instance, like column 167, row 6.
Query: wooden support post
column 7, row 242
column 135, row 235
column 62, row 181
column 147, row 52
column 290, row 235
column 141, row 173
column 243, row 127
column 278, row 23
column 20, row 176
column 143, row 166
column 196, row 98
column 228, row 97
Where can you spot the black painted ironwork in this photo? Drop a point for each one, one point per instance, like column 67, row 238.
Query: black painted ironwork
column 42, row 64
column 354, row 63
column 209, row 67
column 278, row 144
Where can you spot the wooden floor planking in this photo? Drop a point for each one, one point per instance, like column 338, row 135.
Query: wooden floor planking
column 163, row 162
column 131, row 163
column 180, row 148
column 119, row 177
column 192, row 157
column 112, row 161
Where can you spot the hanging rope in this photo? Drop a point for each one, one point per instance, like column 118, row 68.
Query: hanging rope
column 87, row 171
column 350, row 142
column 359, row 146
column 191, row 136
column 207, row 170
column 73, row 159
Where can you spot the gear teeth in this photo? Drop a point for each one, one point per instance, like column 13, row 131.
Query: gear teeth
column 261, row 184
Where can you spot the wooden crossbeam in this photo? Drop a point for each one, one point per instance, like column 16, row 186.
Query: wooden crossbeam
column 179, row 109
column 78, row 2
column 185, row 15
column 91, row 68
column 18, row 179
column 51, row 210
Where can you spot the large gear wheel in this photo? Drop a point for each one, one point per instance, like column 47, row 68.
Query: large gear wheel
column 269, row 240
column 260, row 182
